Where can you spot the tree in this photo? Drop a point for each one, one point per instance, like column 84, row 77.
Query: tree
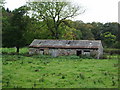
column 72, row 30
column 14, row 35
column 97, row 29
column 67, row 33
column 37, row 30
column 2, row 2
column 111, row 27
column 53, row 13
column 108, row 38
column 6, row 16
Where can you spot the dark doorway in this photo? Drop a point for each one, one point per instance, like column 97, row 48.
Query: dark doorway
column 42, row 51
column 79, row 53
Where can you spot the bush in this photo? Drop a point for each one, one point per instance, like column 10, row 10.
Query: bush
column 112, row 51
column 117, row 45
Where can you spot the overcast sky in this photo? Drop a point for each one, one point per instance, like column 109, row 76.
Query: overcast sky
column 96, row 10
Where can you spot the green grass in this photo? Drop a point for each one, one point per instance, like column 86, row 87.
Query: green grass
column 13, row 50
column 43, row 71
column 0, row 71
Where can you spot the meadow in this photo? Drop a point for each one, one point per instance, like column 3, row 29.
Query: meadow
column 43, row 71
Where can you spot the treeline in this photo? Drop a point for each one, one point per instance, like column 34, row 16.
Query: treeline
column 19, row 29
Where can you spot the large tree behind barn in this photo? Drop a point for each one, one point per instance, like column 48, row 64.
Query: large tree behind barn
column 54, row 13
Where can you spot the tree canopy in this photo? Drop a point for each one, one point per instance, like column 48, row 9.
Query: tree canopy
column 53, row 14
column 19, row 29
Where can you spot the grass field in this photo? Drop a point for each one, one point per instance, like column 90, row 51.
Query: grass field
column 42, row 71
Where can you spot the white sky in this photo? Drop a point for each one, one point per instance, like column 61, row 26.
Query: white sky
column 96, row 10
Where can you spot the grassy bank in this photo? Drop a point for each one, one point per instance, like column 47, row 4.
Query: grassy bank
column 40, row 71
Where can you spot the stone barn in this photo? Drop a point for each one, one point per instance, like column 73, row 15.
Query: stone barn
column 67, row 47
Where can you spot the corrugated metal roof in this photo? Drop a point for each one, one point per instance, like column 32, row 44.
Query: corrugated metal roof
column 66, row 43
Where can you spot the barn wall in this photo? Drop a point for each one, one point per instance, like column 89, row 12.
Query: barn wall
column 100, row 52
column 38, row 51
column 61, row 52
column 34, row 51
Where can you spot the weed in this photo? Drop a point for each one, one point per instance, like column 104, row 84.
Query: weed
column 81, row 76
column 113, row 83
column 41, row 79
column 63, row 77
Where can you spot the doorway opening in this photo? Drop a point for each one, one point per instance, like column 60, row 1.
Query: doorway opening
column 79, row 53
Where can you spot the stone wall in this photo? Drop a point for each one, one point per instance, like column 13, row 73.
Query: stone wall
column 38, row 51
column 62, row 52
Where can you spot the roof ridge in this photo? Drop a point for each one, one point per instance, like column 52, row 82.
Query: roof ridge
column 66, row 40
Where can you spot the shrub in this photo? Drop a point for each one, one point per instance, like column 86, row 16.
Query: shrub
column 117, row 45
column 112, row 51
